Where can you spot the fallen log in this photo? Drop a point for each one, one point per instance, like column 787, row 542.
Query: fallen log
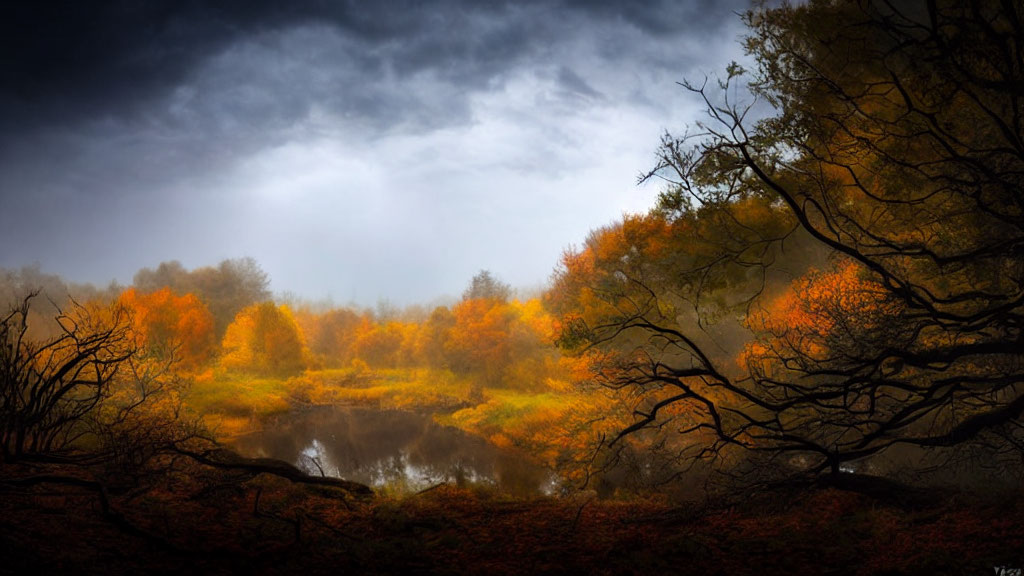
column 225, row 459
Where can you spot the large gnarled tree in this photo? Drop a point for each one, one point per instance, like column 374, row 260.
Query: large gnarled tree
column 896, row 148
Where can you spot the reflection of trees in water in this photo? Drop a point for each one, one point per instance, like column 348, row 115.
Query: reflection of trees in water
column 403, row 450
column 398, row 471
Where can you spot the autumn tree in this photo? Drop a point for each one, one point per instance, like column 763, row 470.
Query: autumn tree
column 225, row 289
column 384, row 344
column 430, row 339
column 264, row 339
column 532, row 348
column 498, row 342
column 172, row 326
column 330, row 335
column 478, row 342
column 895, row 147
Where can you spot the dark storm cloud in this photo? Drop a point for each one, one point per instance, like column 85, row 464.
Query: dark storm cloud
column 67, row 61
column 62, row 60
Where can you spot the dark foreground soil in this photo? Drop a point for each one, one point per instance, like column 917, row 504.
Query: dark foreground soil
column 214, row 522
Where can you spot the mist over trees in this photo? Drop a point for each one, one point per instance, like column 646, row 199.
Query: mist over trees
column 226, row 288
column 484, row 286
column 264, row 339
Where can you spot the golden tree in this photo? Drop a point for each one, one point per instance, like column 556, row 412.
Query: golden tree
column 264, row 339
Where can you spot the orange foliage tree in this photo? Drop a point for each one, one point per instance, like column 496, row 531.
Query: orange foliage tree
column 384, row 345
column 822, row 314
column 431, row 338
column 629, row 300
column 264, row 339
column 172, row 326
column 499, row 343
column 225, row 289
column 478, row 342
column 331, row 335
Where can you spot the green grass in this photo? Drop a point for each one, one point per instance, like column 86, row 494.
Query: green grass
column 504, row 408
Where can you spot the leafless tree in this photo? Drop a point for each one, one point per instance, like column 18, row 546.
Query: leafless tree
column 47, row 388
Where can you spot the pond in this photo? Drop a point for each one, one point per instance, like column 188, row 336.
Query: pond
column 402, row 451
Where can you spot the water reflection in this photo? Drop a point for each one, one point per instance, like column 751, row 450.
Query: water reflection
column 403, row 451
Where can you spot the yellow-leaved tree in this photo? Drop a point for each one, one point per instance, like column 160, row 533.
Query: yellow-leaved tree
column 264, row 339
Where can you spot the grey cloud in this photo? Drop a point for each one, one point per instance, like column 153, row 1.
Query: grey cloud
column 662, row 18
column 65, row 60
column 573, row 84
column 68, row 61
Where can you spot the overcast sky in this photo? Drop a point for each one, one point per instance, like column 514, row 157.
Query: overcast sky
column 357, row 150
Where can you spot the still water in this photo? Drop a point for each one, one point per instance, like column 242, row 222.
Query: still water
column 402, row 451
